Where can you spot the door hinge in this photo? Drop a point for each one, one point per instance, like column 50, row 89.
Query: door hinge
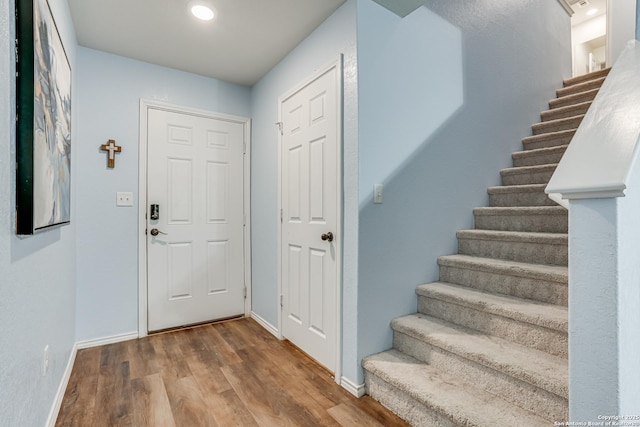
column 280, row 127
column 245, row 292
column 244, row 147
column 281, row 215
column 281, row 300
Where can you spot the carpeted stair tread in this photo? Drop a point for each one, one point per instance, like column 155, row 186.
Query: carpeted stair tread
column 551, row 139
column 519, row 195
column 519, row 210
column 581, row 87
column 550, row 219
column 522, row 175
column 520, row 246
column 538, row 282
column 557, row 125
column 521, row 170
column 508, row 189
column 554, row 273
column 532, row 366
column 574, row 98
column 459, row 402
column 526, row 322
column 568, row 111
column 584, row 77
column 515, row 236
column 549, row 316
column 539, row 156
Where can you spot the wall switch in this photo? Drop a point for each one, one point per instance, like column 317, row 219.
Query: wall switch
column 377, row 193
column 45, row 360
column 124, row 199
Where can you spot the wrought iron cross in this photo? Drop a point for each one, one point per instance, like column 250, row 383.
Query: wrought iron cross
column 112, row 148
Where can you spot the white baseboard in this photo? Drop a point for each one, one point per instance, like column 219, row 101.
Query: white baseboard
column 62, row 388
column 268, row 326
column 96, row 342
column 357, row 390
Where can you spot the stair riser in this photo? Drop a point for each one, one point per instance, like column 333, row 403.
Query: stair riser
column 536, row 253
column 521, row 287
column 527, row 178
column 564, row 113
column 403, row 405
column 532, row 143
column 537, row 160
column 572, row 99
column 547, row 127
column 533, row 336
column 528, row 223
column 513, row 390
column 520, row 199
column 580, row 87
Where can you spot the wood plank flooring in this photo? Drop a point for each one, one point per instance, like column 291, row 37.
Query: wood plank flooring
column 227, row 374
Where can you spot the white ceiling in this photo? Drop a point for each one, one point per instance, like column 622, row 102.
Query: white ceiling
column 580, row 14
column 244, row 41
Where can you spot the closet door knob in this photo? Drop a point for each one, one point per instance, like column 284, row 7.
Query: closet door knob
column 327, row 237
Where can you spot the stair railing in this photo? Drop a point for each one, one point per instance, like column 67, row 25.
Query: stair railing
column 599, row 177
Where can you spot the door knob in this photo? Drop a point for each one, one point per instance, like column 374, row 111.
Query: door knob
column 155, row 232
column 327, row 236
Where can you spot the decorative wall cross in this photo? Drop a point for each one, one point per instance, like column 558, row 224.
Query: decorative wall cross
column 112, row 148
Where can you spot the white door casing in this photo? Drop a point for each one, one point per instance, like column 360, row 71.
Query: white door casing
column 195, row 172
column 310, row 202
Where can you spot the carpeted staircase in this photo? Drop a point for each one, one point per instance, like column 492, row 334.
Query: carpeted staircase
column 488, row 346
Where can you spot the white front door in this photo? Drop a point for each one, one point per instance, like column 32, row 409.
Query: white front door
column 195, row 247
column 310, row 237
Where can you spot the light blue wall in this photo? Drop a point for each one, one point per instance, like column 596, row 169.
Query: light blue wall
column 435, row 148
column 37, row 283
column 337, row 35
column 110, row 88
column 637, row 19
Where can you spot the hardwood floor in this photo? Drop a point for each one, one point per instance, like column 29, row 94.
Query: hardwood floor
column 227, row 374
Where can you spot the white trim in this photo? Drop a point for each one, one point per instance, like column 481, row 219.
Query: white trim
column 567, row 7
column 142, row 221
column 340, row 195
column 557, row 197
column 97, row 342
column 338, row 65
column 62, row 388
column 358, row 390
column 268, row 326
column 247, row 217
column 593, row 194
column 145, row 106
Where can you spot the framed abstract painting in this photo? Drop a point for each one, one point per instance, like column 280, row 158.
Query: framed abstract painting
column 43, row 130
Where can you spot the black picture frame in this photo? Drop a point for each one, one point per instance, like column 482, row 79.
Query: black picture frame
column 43, row 121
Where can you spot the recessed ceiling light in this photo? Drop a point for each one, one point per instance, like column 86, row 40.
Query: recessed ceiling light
column 201, row 11
column 592, row 12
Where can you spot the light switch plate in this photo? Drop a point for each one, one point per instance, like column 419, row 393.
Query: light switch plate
column 377, row 193
column 124, row 198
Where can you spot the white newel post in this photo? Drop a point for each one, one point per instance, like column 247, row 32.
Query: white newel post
column 600, row 177
column 604, row 309
column 593, row 309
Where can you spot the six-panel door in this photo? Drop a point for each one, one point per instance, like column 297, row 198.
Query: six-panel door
column 309, row 195
column 195, row 262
